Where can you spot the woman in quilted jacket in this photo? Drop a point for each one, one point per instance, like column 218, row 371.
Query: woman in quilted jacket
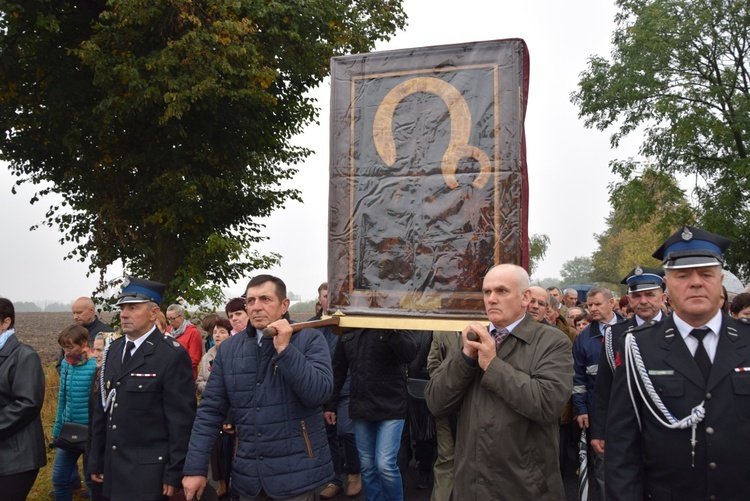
column 76, row 373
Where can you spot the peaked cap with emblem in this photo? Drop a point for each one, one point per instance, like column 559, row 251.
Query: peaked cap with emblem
column 642, row 278
column 692, row 247
column 138, row 290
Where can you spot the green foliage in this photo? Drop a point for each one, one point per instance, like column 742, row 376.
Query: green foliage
column 679, row 71
column 538, row 245
column 577, row 271
column 166, row 125
column 646, row 208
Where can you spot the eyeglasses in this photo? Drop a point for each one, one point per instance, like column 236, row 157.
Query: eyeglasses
column 173, row 318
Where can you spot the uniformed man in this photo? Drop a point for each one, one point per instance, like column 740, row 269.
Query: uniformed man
column 646, row 295
column 141, row 424
column 684, row 434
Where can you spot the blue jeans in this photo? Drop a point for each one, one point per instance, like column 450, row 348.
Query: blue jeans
column 342, row 432
column 66, row 465
column 378, row 443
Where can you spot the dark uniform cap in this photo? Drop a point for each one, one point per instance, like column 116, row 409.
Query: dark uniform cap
column 138, row 290
column 644, row 279
column 692, row 248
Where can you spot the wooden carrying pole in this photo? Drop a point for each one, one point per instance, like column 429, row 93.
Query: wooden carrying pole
column 340, row 321
column 325, row 322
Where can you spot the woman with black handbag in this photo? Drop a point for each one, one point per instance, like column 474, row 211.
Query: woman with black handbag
column 70, row 432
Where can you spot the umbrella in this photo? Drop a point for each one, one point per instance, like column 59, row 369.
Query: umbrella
column 583, row 468
column 732, row 283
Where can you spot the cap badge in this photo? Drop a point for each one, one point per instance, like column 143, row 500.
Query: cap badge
column 126, row 282
column 638, row 271
column 687, row 235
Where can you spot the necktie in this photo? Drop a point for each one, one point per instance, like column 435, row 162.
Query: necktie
column 128, row 351
column 701, row 355
column 499, row 335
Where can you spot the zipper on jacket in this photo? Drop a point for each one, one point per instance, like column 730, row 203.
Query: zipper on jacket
column 307, row 439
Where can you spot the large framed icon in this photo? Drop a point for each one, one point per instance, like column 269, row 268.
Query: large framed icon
column 428, row 185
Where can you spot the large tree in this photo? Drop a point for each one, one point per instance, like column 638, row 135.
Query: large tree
column 166, row 125
column 679, row 71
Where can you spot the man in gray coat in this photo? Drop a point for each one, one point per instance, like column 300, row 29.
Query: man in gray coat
column 509, row 386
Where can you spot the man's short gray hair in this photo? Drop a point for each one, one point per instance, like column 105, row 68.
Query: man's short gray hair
column 599, row 289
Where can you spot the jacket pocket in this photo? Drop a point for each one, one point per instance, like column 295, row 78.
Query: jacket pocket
column 307, row 439
column 741, row 386
column 669, row 386
column 141, row 393
column 152, row 456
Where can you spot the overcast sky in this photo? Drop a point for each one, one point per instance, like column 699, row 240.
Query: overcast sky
column 567, row 164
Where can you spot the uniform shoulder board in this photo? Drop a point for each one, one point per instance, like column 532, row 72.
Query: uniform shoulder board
column 171, row 341
column 743, row 325
column 644, row 326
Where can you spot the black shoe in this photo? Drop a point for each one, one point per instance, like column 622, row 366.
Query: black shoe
column 424, row 482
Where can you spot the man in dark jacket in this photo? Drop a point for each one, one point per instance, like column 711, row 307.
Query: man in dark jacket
column 276, row 387
column 646, row 295
column 376, row 360
column 586, row 352
column 683, row 435
column 84, row 313
column 140, row 437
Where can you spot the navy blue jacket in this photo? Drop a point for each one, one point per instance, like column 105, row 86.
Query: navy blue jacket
column 282, row 445
column 646, row 460
column 586, row 352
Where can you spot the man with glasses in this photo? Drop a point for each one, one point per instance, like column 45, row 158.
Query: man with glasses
column 186, row 334
column 537, row 307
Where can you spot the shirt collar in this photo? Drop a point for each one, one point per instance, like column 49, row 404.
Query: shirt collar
column 510, row 327
column 639, row 321
column 138, row 342
column 714, row 325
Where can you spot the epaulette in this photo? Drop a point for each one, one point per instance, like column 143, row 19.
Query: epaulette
column 171, row 341
column 644, row 326
column 743, row 328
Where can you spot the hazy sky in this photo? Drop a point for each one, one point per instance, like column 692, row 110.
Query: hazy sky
column 567, row 164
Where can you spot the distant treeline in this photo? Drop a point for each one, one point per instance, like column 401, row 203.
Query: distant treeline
column 28, row 306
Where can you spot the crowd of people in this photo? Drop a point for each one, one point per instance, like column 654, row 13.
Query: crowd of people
column 659, row 381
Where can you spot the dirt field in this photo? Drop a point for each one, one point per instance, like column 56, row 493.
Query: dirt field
column 40, row 330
